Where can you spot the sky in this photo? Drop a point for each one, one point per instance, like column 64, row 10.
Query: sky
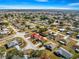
column 40, row 4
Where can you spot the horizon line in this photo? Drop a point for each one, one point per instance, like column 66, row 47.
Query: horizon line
column 34, row 9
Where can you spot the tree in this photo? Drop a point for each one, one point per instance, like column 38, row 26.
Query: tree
column 43, row 17
column 2, row 51
column 76, row 24
column 5, row 15
column 42, row 29
column 36, row 53
column 13, row 52
column 50, row 21
column 61, row 23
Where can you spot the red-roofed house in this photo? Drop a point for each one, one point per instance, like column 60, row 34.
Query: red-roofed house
column 37, row 36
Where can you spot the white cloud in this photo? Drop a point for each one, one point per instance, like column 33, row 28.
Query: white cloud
column 42, row 0
column 31, row 7
column 60, row 8
column 73, row 4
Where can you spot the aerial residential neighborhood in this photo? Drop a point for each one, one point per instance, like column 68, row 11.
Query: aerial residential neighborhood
column 39, row 34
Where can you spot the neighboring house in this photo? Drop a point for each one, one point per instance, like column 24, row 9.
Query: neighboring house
column 12, row 44
column 17, row 57
column 37, row 36
column 63, row 52
column 4, row 31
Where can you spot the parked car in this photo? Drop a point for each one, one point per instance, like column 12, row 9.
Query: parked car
column 57, row 54
column 75, row 48
column 48, row 47
column 61, row 30
column 69, row 33
column 77, row 36
column 63, row 42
